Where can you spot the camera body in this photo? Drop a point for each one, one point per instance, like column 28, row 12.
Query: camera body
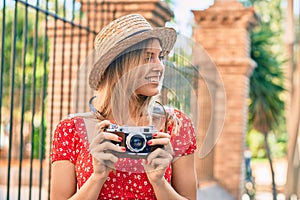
column 134, row 139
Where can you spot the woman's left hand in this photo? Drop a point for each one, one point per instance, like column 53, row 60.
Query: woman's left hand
column 158, row 160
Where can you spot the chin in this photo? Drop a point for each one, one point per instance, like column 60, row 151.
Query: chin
column 147, row 92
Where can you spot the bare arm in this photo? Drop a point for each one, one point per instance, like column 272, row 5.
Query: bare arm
column 184, row 176
column 183, row 171
column 63, row 183
column 183, row 181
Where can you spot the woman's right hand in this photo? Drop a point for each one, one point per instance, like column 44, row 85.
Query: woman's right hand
column 101, row 149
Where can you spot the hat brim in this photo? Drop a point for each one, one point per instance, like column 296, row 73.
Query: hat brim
column 166, row 35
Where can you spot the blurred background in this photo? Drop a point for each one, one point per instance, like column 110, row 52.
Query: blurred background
column 240, row 60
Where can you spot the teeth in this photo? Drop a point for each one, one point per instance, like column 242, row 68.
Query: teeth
column 153, row 79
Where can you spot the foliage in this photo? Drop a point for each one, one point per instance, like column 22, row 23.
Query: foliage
column 266, row 83
column 29, row 55
column 169, row 2
column 266, row 108
column 179, row 77
column 277, row 143
column 31, row 60
column 39, row 147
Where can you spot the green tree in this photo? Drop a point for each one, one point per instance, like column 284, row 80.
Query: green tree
column 30, row 55
column 266, row 83
column 29, row 58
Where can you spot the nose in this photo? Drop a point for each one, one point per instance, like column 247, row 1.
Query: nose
column 158, row 65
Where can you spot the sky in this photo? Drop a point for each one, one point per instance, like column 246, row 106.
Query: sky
column 184, row 16
column 182, row 10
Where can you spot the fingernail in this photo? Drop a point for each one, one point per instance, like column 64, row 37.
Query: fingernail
column 120, row 139
column 112, row 121
column 149, row 142
column 154, row 134
column 123, row 148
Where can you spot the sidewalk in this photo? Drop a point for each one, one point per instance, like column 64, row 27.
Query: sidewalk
column 13, row 194
column 213, row 192
column 261, row 173
column 263, row 180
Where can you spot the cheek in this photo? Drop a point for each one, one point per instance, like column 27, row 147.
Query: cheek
column 148, row 90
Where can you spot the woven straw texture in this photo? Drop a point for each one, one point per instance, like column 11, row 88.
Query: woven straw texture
column 119, row 35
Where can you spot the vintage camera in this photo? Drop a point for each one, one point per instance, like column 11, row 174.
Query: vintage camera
column 134, row 138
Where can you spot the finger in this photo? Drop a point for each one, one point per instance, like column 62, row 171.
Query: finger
column 107, row 146
column 169, row 148
column 159, row 141
column 103, row 136
column 97, row 140
column 161, row 135
column 103, row 124
column 159, row 153
column 112, row 136
column 105, row 157
column 160, row 163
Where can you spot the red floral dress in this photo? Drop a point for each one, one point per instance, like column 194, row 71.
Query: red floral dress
column 128, row 181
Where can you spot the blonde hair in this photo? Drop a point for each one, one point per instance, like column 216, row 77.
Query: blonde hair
column 116, row 94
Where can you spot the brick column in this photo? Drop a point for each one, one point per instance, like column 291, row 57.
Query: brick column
column 223, row 31
column 101, row 12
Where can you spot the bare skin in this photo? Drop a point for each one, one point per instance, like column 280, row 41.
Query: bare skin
column 183, row 185
column 63, row 183
column 152, row 77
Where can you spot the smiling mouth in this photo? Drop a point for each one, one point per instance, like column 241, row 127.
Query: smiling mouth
column 153, row 79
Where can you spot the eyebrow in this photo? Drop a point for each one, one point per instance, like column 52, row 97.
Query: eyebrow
column 149, row 53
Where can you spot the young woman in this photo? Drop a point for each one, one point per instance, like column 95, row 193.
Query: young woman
column 87, row 162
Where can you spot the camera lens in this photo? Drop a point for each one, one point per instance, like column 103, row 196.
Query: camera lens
column 136, row 142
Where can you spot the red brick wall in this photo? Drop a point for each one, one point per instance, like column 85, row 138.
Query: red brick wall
column 223, row 31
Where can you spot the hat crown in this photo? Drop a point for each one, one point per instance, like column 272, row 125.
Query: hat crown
column 121, row 34
column 119, row 30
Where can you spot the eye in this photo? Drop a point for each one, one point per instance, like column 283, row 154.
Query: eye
column 151, row 57
column 148, row 59
column 161, row 57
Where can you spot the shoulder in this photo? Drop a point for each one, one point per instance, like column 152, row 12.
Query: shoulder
column 183, row 136
column 69, row 127
column 179, row 122
column 68, row 137
column 179, row 116
column 70, row 122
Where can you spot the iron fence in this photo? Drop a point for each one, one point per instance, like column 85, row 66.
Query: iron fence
column 24, row 87
column 43, row 44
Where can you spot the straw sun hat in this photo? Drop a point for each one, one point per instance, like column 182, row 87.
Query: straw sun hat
column 121, row 34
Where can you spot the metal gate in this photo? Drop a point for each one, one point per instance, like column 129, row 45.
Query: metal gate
column 43, row 44
column 24, row 86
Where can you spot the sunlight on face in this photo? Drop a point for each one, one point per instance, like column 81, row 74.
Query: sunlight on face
column 154, row 70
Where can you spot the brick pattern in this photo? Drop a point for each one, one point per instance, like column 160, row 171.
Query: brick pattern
column 229, row 30
column 223, row 31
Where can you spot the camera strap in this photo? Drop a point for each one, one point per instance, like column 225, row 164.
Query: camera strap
column 94, row 110
column 98, row 114
column 166, row 115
